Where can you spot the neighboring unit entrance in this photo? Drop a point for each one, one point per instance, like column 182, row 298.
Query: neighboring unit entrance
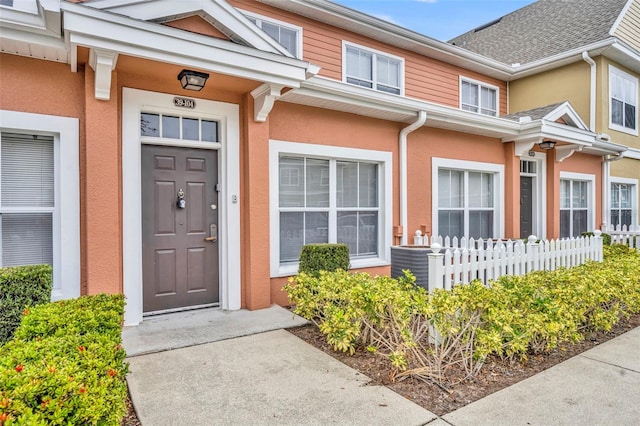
column 179, row 228
column 526, row 206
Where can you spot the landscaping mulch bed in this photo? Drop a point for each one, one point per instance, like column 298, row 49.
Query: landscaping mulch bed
column 495, row 375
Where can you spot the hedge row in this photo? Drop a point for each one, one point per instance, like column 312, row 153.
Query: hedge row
column 65, row 364
column 20, row 287
column 512, row 318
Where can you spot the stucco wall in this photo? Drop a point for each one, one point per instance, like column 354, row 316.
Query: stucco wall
column 569, row 83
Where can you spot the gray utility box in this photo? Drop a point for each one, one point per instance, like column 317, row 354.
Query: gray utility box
column 413, row 258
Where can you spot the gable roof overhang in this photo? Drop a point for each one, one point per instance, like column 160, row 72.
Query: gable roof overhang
column 218, row 13
column 33, row 28
column 573, row 135
column 108, row 35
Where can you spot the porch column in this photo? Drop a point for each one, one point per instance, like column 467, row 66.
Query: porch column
column 254, row 156
column 553, row 198
column 101, row 191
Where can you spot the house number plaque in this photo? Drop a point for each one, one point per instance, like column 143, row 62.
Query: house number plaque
column 184, row 102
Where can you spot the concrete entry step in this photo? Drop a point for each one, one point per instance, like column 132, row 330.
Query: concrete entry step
column 189, row 328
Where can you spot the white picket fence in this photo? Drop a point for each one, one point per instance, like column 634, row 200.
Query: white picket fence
column 463, row 261
column 629, row 236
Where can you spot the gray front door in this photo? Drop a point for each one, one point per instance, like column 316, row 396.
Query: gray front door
column 526, row 206
column 179, row 249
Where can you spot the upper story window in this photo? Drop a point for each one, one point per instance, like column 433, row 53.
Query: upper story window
column 369, row 68
column 478, row 97
column 287, row 35
column 623, row 92
column 6, row 3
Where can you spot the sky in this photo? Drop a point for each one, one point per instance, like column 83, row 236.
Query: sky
column 440, row 19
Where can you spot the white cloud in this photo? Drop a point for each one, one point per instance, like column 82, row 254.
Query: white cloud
column 387, row 18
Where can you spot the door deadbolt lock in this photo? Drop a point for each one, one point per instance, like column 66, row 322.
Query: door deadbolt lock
column 181, row 203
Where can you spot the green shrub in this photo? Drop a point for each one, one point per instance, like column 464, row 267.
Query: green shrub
column 21, row 287
column 513, row 317
column 606, row 238
column 66, row 365
column 323, row 257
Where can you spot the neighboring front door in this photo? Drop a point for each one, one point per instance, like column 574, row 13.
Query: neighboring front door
column 526, row 206
column 179, row 227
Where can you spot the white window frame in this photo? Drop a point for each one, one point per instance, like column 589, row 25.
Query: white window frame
column 613, row 126
column 591, row 193
column 375, row 53
column 66, row 213
column 261, row 18
column 480, row 85
column 469, row 166
column 385, row 199
column 634, row 198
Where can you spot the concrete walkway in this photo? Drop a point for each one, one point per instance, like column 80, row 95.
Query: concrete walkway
column 274, row 378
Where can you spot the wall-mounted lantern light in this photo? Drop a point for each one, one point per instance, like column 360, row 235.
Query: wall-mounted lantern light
column 547, row 144
column 192, row 80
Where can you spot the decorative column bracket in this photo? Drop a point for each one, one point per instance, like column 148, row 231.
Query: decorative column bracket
column 265, row 97
column 523, row 147
column 565, row 151
column 102, row 62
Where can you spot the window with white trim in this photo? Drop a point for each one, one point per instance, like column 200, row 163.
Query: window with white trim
column 623, row 202
column 375, row 70
column 623, row 93
column 466, row 197
column 576, row 205
column 27, row 199
column 338, row 199
column 478, row 97
column 287, row 35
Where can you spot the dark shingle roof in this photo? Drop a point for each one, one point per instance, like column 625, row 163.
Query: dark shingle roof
column 543, row 29
column 535, row 113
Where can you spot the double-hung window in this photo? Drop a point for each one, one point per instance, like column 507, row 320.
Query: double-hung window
column 340, row 198
column 375, row 70
column 623, row 202
column 478, row 97
column 467, row 199
column 40, row 196
column 623, row 91
column 576, row 204
column 287, row 35
column 26, row 199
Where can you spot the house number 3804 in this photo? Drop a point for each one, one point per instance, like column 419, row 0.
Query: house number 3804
column 184, row 102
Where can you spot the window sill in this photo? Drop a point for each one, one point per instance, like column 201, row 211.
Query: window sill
column 623, row 129
column 292, row 269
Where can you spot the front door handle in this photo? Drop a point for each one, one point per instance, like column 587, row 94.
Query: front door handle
column 213, row 233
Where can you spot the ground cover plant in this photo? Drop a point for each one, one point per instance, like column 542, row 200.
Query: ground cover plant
column 65, row 364
column 513, row 319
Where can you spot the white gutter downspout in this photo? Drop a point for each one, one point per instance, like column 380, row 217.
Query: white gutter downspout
column 422, row 118
column 592, row 94
column 592, row 127
column 606, row 188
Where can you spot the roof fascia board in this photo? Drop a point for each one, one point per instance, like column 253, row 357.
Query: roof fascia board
column 45, row 20
column 632, row 153
column 36, row 38
column 620, row 17
column 395, row 35
column 333, row 90
column 561, row 59
column 235, row 24
column 101, row 30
